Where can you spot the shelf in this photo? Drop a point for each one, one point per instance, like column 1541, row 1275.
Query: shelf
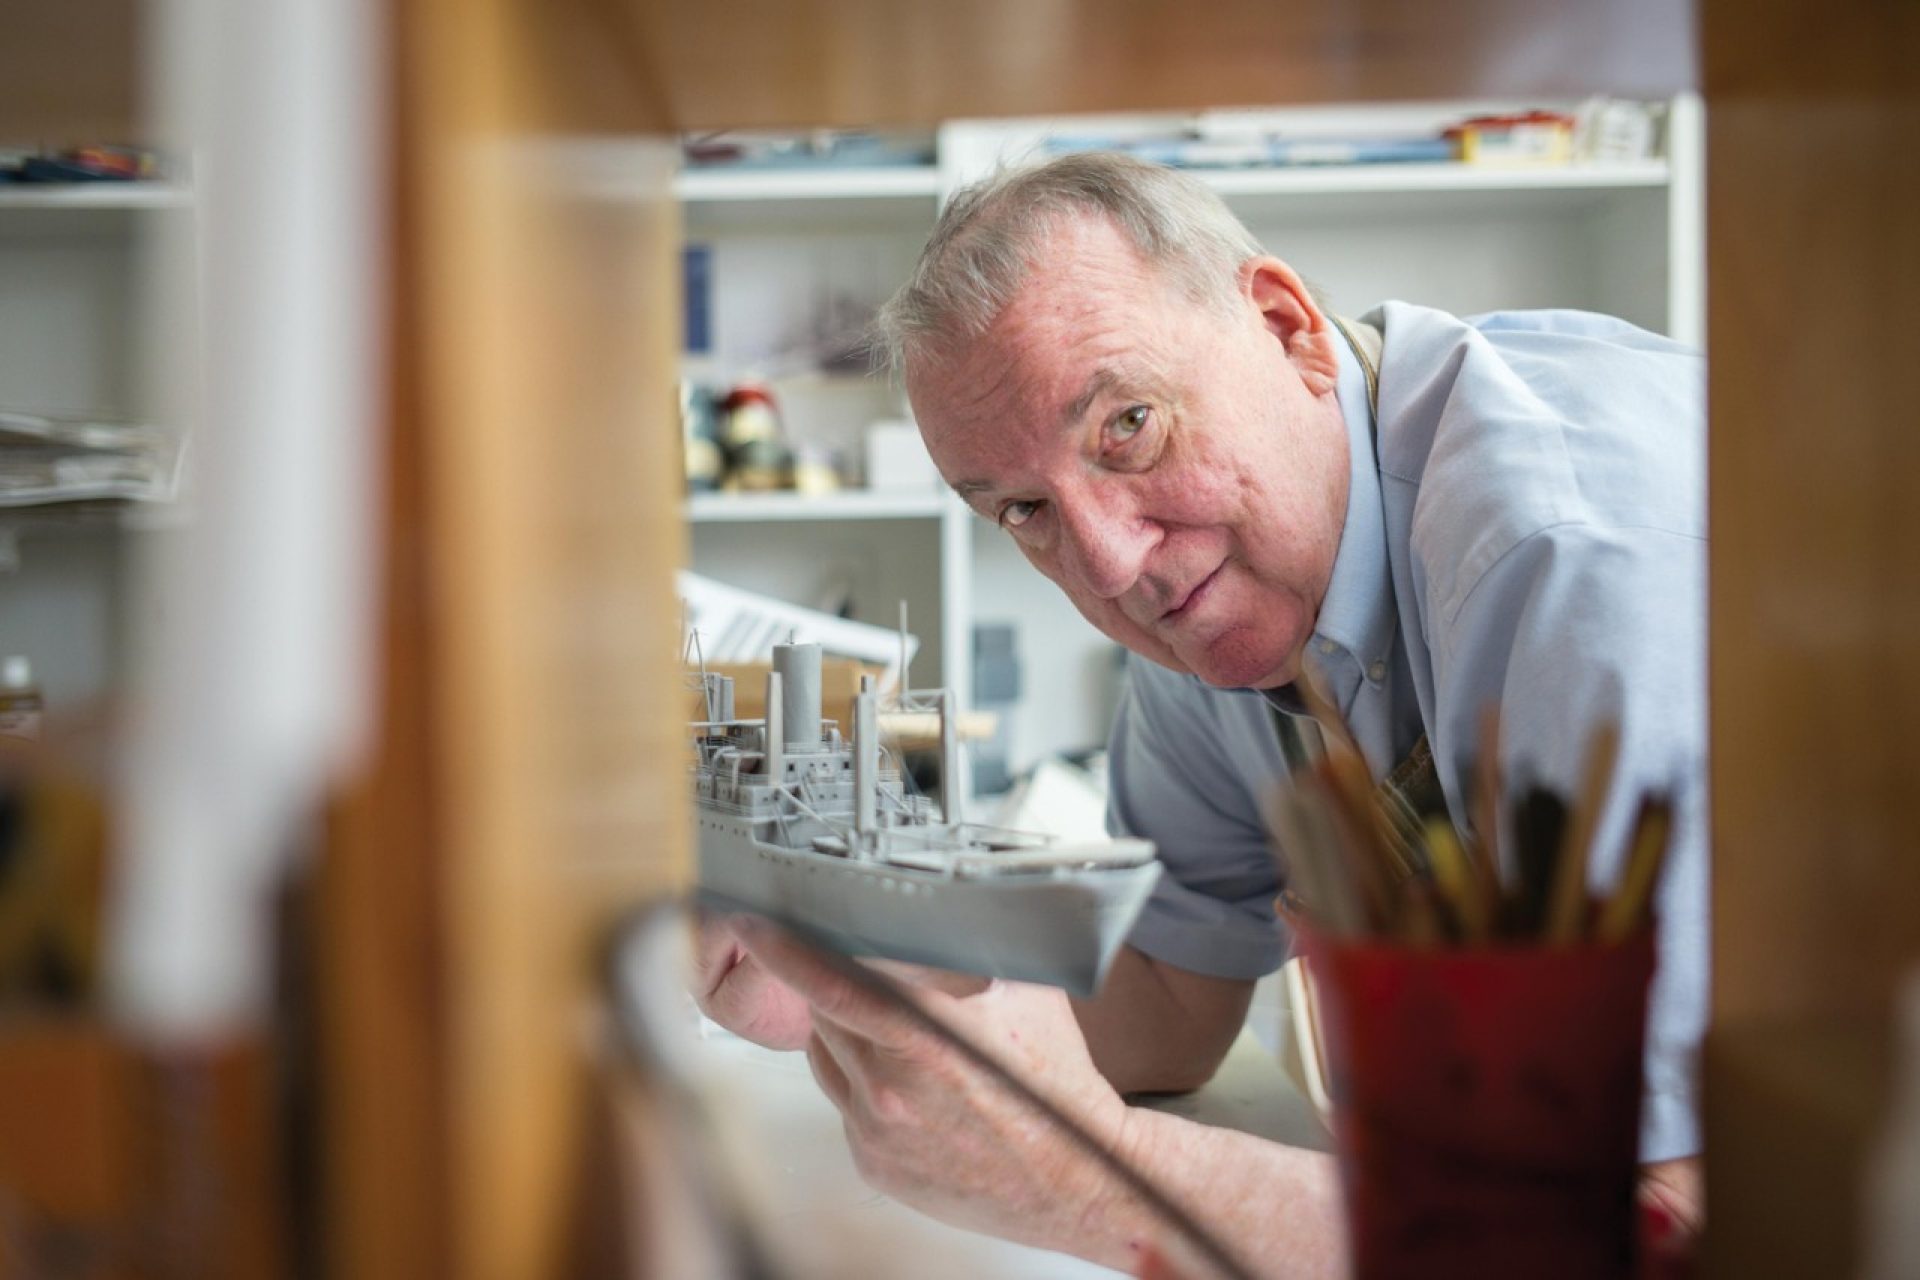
column 850, row 504
column 909, row 198
column 94, row 195
column 809, row 197
column 1390, row 178
column 806, row 184
column 1428, row 190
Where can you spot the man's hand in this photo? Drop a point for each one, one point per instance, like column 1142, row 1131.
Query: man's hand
column 1677, row 1188
column 735, row 991
column 929, row 1127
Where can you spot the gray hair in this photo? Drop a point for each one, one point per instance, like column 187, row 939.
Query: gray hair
column 991, row 235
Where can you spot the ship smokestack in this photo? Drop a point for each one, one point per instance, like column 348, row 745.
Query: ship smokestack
column 799, row 668
column 950, row 784
column 866, row 763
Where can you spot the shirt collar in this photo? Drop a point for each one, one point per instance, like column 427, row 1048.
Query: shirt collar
column 1357, row 614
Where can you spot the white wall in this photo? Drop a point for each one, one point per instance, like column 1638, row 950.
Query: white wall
column 1474, row 256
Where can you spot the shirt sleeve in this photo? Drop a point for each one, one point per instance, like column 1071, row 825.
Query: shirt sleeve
column 1176, row 780
column 1573, row 626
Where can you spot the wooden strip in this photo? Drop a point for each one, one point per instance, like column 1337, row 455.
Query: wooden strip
column 769, row 63
column 1813, row 254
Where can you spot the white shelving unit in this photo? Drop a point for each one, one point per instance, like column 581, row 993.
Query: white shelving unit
column 1625, row 238
column 80, row 285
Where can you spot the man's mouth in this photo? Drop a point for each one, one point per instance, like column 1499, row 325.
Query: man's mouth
column 1192, row 599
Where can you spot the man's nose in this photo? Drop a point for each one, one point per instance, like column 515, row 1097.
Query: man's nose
column 1104, row 544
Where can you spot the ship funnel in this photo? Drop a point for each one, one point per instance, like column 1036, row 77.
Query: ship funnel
column 799, row 668
column 951, row 787
column 866, row 763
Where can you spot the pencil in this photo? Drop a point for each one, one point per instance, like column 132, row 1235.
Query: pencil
column 1627, row 908
column 1485, row 847
column 1566, row 912
column 1459, row 885
column 1539, row 824
column 1313, row 857
column 1349, row 824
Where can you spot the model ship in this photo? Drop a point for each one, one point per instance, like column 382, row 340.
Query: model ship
column 825, row 835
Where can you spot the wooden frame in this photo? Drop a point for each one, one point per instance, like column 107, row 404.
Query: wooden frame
column 532, row 526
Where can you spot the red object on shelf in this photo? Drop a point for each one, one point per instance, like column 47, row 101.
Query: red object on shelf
column 1486, row 1105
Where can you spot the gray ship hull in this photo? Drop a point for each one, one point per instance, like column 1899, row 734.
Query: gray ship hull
column 1061, row 927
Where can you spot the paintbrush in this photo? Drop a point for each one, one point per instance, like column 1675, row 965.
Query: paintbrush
column 1627, row 909
column 1567, row 910
column 1539, row 821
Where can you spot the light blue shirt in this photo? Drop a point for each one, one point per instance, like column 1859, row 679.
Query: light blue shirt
column 1526, row 525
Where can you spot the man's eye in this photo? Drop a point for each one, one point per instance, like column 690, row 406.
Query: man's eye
column 1131, row 423
column 1015, row 514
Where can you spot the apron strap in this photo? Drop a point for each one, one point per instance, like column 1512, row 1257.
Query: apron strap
column 1367, row 343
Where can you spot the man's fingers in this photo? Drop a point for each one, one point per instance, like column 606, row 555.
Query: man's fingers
column 927, row 978
column 829, row 1071
column 716, row 948
column 824, row 984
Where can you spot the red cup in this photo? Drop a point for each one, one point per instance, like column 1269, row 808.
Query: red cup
column 1486, row 1105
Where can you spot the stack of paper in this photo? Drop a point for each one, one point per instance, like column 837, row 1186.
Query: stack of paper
column 731, row 625
column 46, row 458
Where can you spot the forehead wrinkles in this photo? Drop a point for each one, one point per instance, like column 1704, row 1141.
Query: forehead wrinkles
column 1009, row 373
column 1094, row 308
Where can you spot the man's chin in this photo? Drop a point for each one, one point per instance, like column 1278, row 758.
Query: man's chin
column 1226, row 665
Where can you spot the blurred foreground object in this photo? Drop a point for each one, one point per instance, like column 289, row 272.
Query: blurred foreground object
column 53, row 858
column 1480, row 1042
column 117, row 1157
column 116, row 1162
column 20, row 703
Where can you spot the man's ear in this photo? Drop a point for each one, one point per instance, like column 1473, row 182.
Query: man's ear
column 1295, row 321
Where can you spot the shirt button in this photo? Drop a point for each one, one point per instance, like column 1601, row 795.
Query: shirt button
column 1377, row 672
column 1328, row 646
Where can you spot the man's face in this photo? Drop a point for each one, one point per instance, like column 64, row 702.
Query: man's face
column 1180, row 472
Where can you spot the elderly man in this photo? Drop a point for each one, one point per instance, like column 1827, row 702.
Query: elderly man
column 1424, row 515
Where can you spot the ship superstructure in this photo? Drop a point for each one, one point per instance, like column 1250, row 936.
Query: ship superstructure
column 824, row 834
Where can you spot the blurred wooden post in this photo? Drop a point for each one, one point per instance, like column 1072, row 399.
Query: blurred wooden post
column 1813, row 262
column 527, row 784
column 73, row 73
